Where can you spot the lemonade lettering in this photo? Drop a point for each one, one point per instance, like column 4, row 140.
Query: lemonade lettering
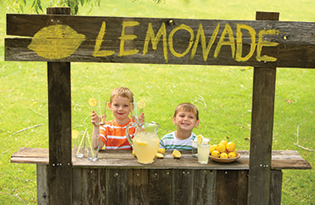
column 226, row 39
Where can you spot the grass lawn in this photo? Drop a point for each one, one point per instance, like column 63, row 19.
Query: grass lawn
column 222, row 94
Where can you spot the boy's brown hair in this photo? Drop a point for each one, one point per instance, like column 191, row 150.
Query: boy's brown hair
column 122, row 92
column 187, row 107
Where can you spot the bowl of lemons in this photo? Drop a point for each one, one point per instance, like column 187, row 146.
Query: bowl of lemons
column 224, row 152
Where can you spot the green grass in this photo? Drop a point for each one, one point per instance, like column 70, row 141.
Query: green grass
column 222, row 94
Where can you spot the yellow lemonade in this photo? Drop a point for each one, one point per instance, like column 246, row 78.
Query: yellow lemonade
column 146, row 145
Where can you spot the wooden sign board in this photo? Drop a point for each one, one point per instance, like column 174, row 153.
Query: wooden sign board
column 61, row 38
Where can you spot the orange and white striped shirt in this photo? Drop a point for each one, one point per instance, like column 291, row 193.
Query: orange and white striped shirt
column 113, row 135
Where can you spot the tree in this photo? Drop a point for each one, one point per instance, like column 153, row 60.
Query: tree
column 36, row 6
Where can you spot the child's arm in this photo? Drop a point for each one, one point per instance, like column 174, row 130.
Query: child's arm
column 96, row 127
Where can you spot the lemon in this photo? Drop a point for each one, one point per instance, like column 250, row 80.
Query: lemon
column 199, row 139
column 215, row 153
column 223, row 155
column 176, row 154
column 142, row 142
column 212, row 148
column 161, row 150
column 230, row 147
column 159, row 155
column 92, row 102
column 75, row 134
column 133, row 153
column 232, row 155
column 221, row 147
column 224, row 142
column 141, row 104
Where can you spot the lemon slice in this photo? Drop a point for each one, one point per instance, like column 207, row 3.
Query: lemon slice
column 199, row 139
column 161, row 150
column 75, row 134
column 176, row 154
column 141, row 104
column 133, row 153
column 159, row 156
column 92, row 102
column 142, row 142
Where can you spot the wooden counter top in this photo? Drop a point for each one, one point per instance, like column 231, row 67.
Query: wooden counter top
column 281, row 159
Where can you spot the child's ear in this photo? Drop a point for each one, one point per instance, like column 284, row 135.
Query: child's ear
column 197, row 123
column 109, row 106
column 174, row 120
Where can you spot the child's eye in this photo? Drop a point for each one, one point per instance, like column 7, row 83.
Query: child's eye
column 192, row 117
column 126, row 106
column 181, row 116
column 115, row 105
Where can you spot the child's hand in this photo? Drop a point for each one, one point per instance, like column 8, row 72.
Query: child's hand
column 95, row 119
column 141, row 118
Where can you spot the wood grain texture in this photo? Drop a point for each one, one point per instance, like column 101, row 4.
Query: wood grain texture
column 264, row 85
column 59, row 172
column 281, row 159
column 296, row 44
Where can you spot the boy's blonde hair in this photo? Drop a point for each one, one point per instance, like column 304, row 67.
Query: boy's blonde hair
column 187, row 107
column 121, row 92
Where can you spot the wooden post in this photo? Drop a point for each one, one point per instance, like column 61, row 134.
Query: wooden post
column 59, row 174
column 261, row 128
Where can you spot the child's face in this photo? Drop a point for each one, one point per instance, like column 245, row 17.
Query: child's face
column 185, row 120
column 120, row 107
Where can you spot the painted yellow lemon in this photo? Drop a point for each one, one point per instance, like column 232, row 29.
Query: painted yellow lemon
column 56, row 42
column 141, row 104
column 75, row 134
column 176, row 154
column 92, row 102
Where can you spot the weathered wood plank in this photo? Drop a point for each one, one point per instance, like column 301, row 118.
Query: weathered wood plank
column 59, row 108
column 182, row 183
column 226, row 182
column 116, row 186
column 275, row 187
column 281, row 159
column 93, row 184
column 160, row 189
column 138, row 186
column 291, row 56
column 42, row 186
column 242, row 187
column 179, row 43
column 204, row 188
column 262, row 127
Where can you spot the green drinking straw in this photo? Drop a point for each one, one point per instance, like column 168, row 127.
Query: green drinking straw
column 82, row 140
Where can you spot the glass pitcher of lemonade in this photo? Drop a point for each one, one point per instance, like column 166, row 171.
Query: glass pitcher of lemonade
column 146, row 142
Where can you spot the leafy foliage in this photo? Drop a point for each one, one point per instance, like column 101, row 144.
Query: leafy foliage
column 36, row 6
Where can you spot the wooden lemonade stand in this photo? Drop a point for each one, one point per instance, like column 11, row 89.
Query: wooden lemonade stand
column 117, row 178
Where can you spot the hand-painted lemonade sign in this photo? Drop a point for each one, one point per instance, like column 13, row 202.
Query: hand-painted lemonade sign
column 235, row 44
column 56, row 42
column 61, row 41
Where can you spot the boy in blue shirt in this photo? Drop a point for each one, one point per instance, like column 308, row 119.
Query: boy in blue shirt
column 186, row 118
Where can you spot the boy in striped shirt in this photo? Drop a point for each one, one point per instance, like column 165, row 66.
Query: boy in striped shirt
column 113, row 133
column 186, row 118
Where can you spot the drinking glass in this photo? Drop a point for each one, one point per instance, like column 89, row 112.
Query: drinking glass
column 203, row 153
column 78, row 141
column 93, row 143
